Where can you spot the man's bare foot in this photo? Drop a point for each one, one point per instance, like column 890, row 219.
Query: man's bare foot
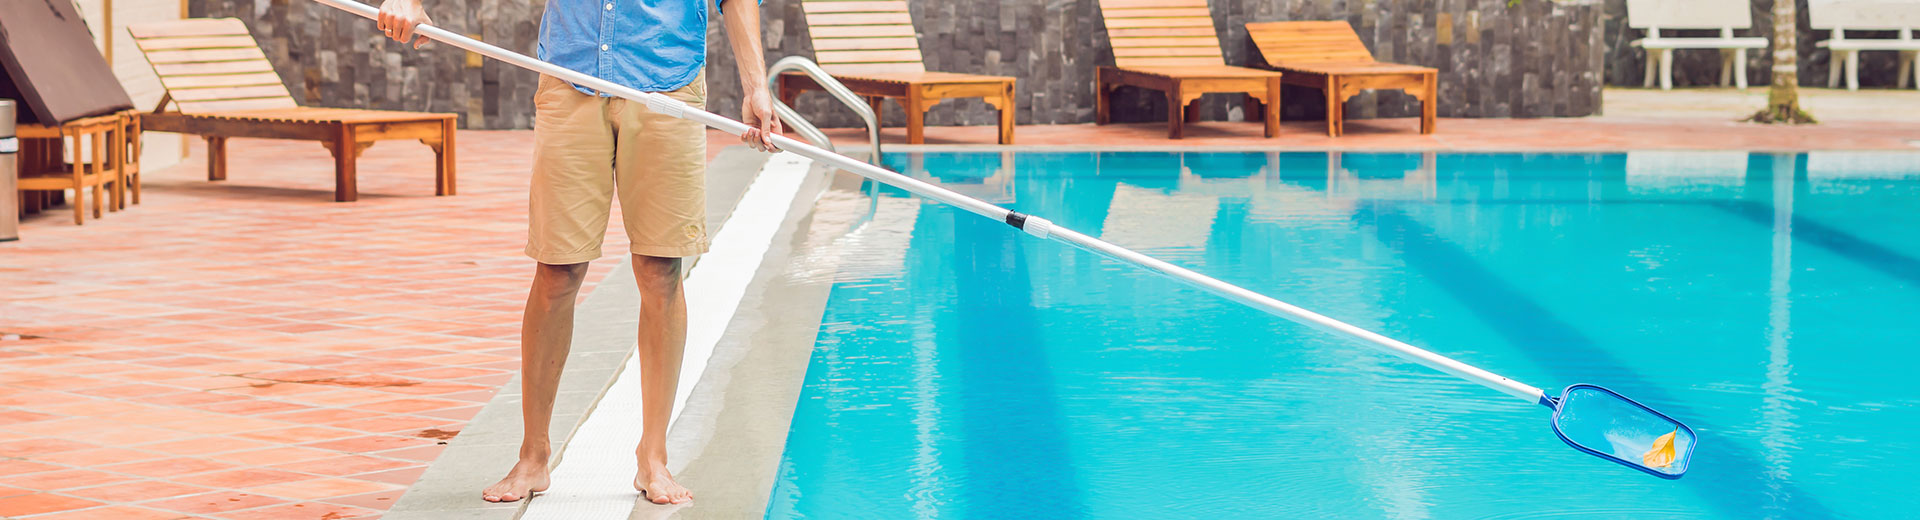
column 527, row 477
column 657, row 485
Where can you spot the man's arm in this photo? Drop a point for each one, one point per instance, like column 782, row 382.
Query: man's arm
column 756, row 104
column 399, row 17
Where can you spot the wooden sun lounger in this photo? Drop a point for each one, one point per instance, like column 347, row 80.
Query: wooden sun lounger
column 223, row 86
column 870, row 47
column 1170, row 46
column 1329, row 56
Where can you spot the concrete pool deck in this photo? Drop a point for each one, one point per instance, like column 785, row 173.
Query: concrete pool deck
column 248, row 349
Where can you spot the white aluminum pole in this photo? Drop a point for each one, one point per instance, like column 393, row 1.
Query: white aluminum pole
column 1035, row 226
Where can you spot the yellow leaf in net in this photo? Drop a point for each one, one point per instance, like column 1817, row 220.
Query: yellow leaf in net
column 1662, row 453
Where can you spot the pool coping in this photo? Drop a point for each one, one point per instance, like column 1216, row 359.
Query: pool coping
column 1914, row 147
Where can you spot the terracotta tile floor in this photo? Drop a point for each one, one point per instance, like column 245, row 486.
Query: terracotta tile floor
column 1596, row 134
column 250, row 349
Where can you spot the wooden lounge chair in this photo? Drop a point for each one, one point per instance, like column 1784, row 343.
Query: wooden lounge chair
column 222, row 86
column 870, row 47
column 1856, row 15
column 1329, row 56
column 1725, row 15
column 1170, row 46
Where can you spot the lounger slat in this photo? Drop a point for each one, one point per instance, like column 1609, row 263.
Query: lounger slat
column 222, row 80
column 1182, row 12
column 864, row 44
column 212, row 42
column 886, row 56
column 222, row 93
column 857, row 69
column 1170, row 62
column 1193, row 41
column 195, row 107
column 816, row 6
column 1308, row 42
column 1157, row 32
column 1159, row 23
column 191, row 28
column 204, row 55
column 1166, row 52
column 1134, row 4
column 822, row 20
column 859, row 31
column 218, row 67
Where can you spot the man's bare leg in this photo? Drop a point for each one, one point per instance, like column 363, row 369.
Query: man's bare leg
column 663, row 342
column 546, row 334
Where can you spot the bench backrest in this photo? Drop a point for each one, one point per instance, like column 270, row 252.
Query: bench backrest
column 1161, row 33
column 1863, row 14
column 1689, row 14
column 211, row 65
column 856, row 37
column 1308, row 42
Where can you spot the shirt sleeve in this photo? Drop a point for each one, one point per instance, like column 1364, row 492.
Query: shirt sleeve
column 721, row 5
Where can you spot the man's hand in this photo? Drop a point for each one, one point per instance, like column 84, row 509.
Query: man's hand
column 399, row 17
column 756, row 110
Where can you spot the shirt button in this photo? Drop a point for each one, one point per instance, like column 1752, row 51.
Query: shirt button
column 609, row 7
column 604, row 47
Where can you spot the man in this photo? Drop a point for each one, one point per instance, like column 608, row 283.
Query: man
column 590, row 148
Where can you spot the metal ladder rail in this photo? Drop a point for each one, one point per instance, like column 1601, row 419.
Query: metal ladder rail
column 832, row 86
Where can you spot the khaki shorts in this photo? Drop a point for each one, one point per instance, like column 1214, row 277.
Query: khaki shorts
column 589, row 149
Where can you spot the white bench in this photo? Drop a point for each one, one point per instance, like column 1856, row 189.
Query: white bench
column 1725, row 15
column 1841, row 16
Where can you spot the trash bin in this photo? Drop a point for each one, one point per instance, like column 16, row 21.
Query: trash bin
column 9, row 172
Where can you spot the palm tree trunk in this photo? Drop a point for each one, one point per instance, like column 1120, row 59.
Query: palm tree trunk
column 1783, row 96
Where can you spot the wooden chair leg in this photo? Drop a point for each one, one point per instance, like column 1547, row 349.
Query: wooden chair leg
column 879, row 106
column 216, row 158
column 1100, row 107
column 916, row 106
column 1270, row 110
column 787, row 93
column 345, row 153
column 100, row 174
column 1429, row 105
column 79, row 184
column 1339, row 107
column 1332, row 94
column 1007, row 113
column 1192, row 111
column 1175, row 112
column 443, row 169
column 116, row 195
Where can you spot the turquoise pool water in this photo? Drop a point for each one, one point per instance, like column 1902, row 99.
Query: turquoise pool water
column 967, row 371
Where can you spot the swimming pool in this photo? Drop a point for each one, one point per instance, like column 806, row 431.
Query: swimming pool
column 966, row 370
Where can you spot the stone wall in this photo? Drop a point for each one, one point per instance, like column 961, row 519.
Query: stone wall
column 1626, row 65
column 1537, row 58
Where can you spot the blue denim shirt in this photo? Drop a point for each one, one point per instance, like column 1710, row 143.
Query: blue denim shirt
column 650, row 45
